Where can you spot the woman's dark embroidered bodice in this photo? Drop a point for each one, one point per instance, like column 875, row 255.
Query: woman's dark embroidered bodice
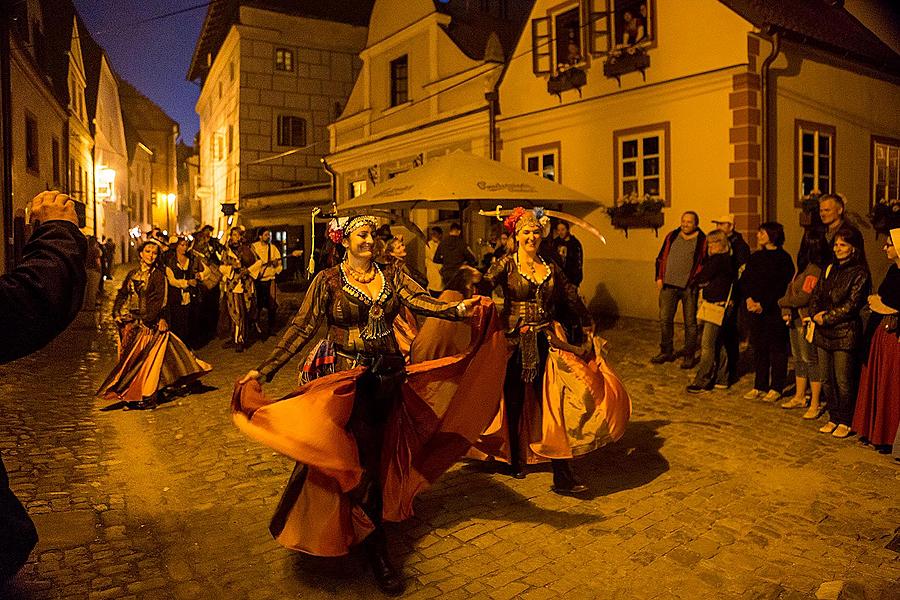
column 356, row 322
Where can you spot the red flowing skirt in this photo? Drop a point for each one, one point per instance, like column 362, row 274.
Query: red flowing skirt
column 445, row 405
column 878, row 401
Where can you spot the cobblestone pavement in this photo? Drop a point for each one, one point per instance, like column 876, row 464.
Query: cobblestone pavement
column 706, row 496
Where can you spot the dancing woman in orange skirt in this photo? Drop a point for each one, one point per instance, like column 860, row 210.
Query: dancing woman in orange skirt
column 150, row 356
column 367, row 432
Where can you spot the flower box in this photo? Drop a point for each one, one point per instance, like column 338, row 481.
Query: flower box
column 627, row 61
column 638, row 221
column 572, row 78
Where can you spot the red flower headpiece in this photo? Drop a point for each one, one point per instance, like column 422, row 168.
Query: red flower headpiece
column 341, row 227
column 509, row 223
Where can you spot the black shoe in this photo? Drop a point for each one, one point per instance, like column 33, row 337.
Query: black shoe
column 387, row 577
column 662, row 357
column 239, row 348
column 696, row 389
column 565, row 483
column 689, row 362
column 516, row 471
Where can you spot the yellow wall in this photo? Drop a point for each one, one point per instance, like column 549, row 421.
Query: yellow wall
column 857, row 107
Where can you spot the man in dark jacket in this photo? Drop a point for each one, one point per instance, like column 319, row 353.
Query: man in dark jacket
column 452, row 253
column 38, row 300
column 677, row 266
column 569, row 253
column 740, row 249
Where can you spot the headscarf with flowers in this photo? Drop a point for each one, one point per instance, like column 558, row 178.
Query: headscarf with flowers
column 520, row 217
column 341, row 227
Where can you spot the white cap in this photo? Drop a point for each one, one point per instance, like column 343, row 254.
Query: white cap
column 895, row 237
column 724, row 219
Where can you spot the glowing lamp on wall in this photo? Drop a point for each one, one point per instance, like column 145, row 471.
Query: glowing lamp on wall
column 105, row 180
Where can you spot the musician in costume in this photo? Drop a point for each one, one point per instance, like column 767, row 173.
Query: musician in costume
column 151, row 357
column 368, row 433
column 559, row 400
column 267, row 266
column 237, row 285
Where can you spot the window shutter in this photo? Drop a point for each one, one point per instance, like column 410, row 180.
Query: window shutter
column 541, row 46
column 599, row 29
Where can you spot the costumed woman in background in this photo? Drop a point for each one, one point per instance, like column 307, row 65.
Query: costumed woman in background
column 237, row 285
column 150, row 356
column 877, row 414
column 438, row 338
column 392, row 254
column 184, row 272
column 558, row 402
column 368, row 434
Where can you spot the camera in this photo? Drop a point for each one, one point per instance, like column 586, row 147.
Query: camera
column 80, row 212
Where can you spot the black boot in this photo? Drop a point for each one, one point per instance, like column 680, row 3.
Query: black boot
column 565, row 483
column 516, row 465
column 388, row 578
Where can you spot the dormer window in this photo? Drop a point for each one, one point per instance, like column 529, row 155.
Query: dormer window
column 399, row 81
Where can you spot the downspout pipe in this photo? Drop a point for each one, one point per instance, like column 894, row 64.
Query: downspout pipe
column 767, row 212
column 6, row 205
column 333, row 176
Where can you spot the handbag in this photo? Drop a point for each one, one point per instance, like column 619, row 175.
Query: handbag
column 713, row 312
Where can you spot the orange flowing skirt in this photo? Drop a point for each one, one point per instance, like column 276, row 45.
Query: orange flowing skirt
column 583, row 406
column 148, row 362
column 445, row 405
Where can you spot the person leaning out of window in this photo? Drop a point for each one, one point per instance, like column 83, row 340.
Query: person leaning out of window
column 836, row 303
column 811, row 260
column 768, row 272
column 716, row 282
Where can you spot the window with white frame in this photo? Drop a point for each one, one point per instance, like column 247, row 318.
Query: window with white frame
column 358, row 187
column 568, row 34
column 543, row 161
column 284, row 59
column 815, row 158
column 642, row 162
column 885, row 171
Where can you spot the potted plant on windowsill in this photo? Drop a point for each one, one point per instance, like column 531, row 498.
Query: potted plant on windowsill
column 569, row 76
column 636, row 212
column 885, row 216
column 626, row 60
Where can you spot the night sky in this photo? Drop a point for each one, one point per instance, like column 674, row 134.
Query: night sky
column 153, row 56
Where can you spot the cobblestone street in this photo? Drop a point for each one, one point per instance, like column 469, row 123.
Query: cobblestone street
column 707, row 496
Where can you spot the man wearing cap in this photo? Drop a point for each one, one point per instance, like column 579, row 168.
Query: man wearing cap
column 731, row 338
column 740, row 249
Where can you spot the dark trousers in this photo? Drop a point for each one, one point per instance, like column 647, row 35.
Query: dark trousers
column 669, row 297
column 769, row 338
column 265, row 299
column 514, row 391
column 839, row 378
column 180, row 316
column 17, row 533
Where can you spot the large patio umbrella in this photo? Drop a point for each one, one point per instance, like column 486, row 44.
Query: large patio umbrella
column 463, row 177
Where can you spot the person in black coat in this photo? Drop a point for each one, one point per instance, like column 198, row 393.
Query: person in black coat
column 768, row 272
column 38, row 300
column 836, row 303
column 716, row 282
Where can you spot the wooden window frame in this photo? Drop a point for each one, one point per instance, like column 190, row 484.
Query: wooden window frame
column 351, row 188
column 55, row 161
column 877, row 139
column 800, row 126
column 554, row 148
column 286, row 62
column 283, row 141
column 621, row 135
column 398, row 96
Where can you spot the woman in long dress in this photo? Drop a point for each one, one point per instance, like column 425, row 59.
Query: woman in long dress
column 151, row 357
column 559, row 401
column 877, row 413
column 369, row 433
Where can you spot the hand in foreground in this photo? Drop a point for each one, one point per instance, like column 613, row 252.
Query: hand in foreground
column 53, row 206
column 818, row 319
column 252, row 374
column 466, row 307
column 162, row 326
